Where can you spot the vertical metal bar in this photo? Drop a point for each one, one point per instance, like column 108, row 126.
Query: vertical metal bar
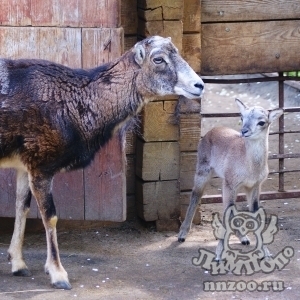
column 281, row 135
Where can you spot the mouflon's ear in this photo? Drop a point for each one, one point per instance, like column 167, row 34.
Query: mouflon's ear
column 241, row 105
column 140, row 53
column 275, row 114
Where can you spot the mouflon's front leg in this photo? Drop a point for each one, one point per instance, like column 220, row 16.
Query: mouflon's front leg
column 41, row 188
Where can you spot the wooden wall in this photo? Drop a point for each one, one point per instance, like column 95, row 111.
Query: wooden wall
column 166, row 140
column 77, row 34
column 214, row 36
column 250, row 36
column 129, row 21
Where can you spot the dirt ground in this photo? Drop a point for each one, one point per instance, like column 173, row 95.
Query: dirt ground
column 132, row 261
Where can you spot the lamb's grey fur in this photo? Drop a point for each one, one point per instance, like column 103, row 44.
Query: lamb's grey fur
column 240, row 159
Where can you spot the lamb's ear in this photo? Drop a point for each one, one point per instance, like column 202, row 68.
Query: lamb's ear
column 241, row 105
column 275, row 114
column 140, row 53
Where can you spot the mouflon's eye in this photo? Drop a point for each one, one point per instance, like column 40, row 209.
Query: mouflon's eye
column 158, row 60
column 261, row 123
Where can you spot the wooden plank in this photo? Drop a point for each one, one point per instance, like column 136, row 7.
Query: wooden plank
column 171, row 29
column 15, row 12
column 249, row 10
column 100, row 13
column 129, row 42
column 158, row 121
column 7, row 192
column 74, row 13
column 157, row 160
column 191, row 50
column 61, row 45
column 188, row 162
column 105, row 184
column 250, row 47
column 158, row 200
column 129, row 19
column 101, row 45
column 68, row 195
column 192, row 16
column 167, row 9
column 105, row 180
column 190, row 132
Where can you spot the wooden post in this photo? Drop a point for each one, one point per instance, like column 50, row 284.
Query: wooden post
column 158, row 154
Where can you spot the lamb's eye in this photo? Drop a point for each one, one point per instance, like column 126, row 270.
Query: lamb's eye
column 158, row 60
column 261, row 123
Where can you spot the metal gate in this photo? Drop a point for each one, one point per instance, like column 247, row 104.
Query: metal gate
column 281, row 156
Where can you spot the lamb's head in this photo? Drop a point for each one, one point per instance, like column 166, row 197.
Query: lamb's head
column 256, row 120
column 164, row 71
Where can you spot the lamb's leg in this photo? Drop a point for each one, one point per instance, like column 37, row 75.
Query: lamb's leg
column 253, row 198
column 253, row 202
column 228, row 197
column 200, row 181
column 41, row 188
column 23, row 199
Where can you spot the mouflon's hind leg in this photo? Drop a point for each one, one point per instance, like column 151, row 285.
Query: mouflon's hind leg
column 41, row 186
column 23, row 198
column 201, row 178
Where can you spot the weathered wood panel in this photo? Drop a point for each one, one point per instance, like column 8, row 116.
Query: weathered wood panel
column 61, row 45
column 158, row 200
column 101, row 45
column 15, row 12
column 171, row 29
column 71, row 13
column 188, row 162
column 158, row 121
column 129, row 19
column 249, row 10
column 250, row 47
column 161, row 10
column 129, row 42
column 191, row 50
column 68, row 194
column 190, row 132
column 192, row 16
column 157, row 160
column 105, row 184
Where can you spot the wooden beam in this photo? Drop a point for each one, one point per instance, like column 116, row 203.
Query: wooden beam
column 249, row 10
column 250, row 47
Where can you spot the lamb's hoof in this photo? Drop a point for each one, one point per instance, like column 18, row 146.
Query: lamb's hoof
column 181, row 240
column 22, row 272
column 246, row 242
column 62, row 285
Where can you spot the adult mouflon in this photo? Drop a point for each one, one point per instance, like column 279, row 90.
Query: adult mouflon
column 55, row 118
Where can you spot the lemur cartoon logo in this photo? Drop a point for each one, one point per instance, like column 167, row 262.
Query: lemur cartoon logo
column 243, row 259
column 242, row 223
